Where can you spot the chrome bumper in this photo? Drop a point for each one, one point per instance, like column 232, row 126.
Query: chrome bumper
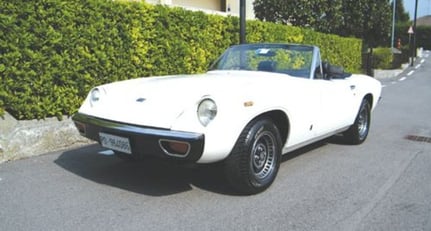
column 143, row 140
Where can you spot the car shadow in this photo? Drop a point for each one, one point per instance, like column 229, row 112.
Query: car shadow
column 152, row 176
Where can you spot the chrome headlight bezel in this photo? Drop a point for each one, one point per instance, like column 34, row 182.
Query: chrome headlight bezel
column 206, row 111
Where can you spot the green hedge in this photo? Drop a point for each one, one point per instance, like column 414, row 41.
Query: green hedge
column 53, row 51
column 345, row 52
column 382, row 58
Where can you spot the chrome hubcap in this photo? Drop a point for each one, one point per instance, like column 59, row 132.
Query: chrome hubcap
column 263, row 155
column 260, row 156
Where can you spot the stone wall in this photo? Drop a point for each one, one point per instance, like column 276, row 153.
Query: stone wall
column 20, row 139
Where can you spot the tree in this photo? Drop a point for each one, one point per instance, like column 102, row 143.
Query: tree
column 401, row 16
column 321, row 15
column 366, row 19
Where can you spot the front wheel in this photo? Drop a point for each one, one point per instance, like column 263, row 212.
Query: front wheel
column 255, row 159
column 358, row 132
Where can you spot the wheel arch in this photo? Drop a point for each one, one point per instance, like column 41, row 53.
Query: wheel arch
column 369, row 97
column 281, row 121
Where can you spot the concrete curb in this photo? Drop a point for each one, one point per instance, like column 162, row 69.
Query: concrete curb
column 21, row 139
column 387, row 74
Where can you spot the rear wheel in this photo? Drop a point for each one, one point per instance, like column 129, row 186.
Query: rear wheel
column 358, row 132
column 255, row 159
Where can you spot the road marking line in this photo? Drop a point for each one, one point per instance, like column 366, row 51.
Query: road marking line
column 410, row 73
column 383, row 86
column 403, row 78
column 394, row 82
column 107, row 152
column 423, row 60
column 417, row 66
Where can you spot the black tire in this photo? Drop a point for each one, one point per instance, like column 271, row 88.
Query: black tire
column 254, row 161
column 358, row 132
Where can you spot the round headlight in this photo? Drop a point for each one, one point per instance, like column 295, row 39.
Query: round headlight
column 95, row 95
column 207, row 111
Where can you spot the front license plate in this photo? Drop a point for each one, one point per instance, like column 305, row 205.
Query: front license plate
column 116, row 143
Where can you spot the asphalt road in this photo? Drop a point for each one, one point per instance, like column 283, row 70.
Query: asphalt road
column 383, row 184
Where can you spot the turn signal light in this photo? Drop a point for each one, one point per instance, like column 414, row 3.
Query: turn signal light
column 175, row 148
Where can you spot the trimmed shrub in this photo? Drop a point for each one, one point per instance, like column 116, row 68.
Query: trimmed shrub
column 52, row 52
column 382, row 58
column 341, row 51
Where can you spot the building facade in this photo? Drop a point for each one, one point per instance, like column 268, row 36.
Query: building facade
column 224, row 7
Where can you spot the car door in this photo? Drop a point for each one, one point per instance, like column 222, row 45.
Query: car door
column 336, row 102
column 303, row 102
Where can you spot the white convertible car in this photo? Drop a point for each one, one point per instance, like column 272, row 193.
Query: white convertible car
column 257, row 102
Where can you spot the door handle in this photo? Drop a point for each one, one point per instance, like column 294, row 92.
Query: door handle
column 352, row 87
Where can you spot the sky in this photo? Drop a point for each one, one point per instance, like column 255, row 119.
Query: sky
column 424, row 7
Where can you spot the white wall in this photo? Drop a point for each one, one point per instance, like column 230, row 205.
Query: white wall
column 211, row 6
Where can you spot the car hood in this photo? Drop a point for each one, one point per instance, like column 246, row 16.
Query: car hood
column 159, row 101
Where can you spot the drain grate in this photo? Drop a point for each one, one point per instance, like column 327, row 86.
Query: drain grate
column 419, row 138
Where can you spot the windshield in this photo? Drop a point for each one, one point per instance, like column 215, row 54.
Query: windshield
column 295, row 60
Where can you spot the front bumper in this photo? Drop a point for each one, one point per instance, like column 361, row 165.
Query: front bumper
column 143, row 141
